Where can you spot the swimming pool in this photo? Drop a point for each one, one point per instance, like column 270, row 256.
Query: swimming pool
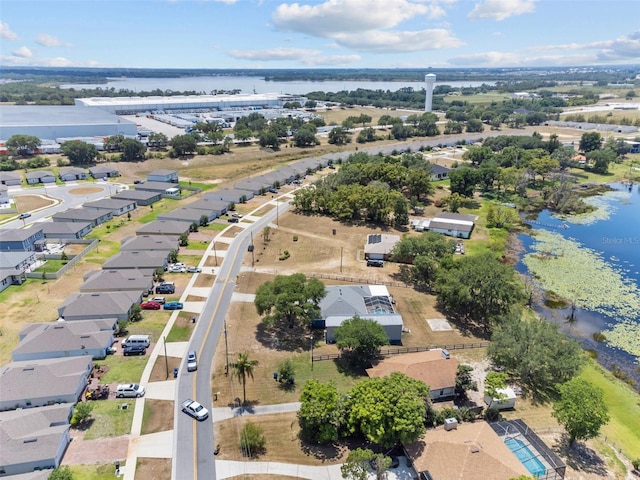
column 526, row 456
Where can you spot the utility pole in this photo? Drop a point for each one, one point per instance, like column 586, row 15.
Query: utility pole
column 215, row 254
column 277, row 213
column 252, row 254
column 226, row 349
column 311, row 336
column 341, row 249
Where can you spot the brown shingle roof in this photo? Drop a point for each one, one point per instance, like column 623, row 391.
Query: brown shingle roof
column 430, row 367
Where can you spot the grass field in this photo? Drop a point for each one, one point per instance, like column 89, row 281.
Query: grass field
column 123, row 369
column 93, row 472
column 109, row 420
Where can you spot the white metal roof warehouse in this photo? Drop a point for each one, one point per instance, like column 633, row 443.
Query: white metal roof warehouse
column 51, row 122
column 129, row 105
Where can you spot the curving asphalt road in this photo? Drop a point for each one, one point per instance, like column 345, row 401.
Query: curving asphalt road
column 193, row 441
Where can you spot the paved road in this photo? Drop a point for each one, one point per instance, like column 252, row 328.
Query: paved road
column 193, row 441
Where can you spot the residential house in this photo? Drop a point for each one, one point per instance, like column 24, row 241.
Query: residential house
column 219, row 207
column 103, row 171
column 138, row 260
column 34, row 440
column 69, row 174
column 116, row 207
column 163, row 175
column 256, row 187
column 164, row 227
column 434, row 367
column 20, row 239
column 65, row 339
column 472, row 451
column 163, row 188
column 187, row 214
column 17, row 262
column 230, row 195
column 40, row 176
column 83, row 215
column 10, row 277
column 92, row 306
column 43, row 382
column 4, row 195
column 141, row 197
column 116, row 281
column 453, row 224
column 10, row 179
column 66, row 230
column 164, row 243
column 372, row 302
column 438, row 172
column 379, row 246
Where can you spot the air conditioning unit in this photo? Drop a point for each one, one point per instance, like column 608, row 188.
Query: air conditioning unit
column 450, row 424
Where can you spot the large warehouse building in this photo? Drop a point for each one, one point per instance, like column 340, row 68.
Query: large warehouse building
column 51, row 122
column 132, row 105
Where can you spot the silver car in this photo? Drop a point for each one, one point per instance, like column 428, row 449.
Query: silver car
column 192, row 361
column 194, row 409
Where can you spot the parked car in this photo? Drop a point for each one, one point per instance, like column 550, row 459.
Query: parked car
column 192, row 361
column 150, row 306
column 331, row 167
column 232, row 220
column 131, row 390
column 134, row 350
column 194, row 409
column 138, row 182
column 297, row 182
column 159, row 300
column 375, row 263
column 165, row 289
column 177, row 269
column 194, row 270
column 173, row 306
column 22, row 216
column 236, row 215
column 272, row 190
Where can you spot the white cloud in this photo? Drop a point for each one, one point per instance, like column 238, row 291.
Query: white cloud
column 39, row 62
column 22, row 52
column 301, row 55
column 340, row 16
column 501, row 9
column 47, row 40
column 6, row 33
column 392, row 42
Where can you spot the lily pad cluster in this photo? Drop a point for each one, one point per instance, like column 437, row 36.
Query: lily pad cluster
column 581, row 275
column 605, row 205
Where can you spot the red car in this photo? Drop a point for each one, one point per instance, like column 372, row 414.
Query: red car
column 150, row 306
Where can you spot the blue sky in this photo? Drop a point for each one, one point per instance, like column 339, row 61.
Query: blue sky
column 319, row 33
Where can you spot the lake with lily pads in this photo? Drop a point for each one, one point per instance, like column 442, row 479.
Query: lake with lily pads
column 593, row 260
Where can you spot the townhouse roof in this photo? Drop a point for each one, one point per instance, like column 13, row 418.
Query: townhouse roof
column 185, row 214
column 63, row 337
column 71, row 171
column 430, row 367
column 116, row 281
column 226, row 193
column 163, row 172
column 207, row 204
column 135, row 195
column 102, row 169
column 136, row 259
column 4, row 176
column 39, row 174
column 32, row 434
column 164, row 227
column 98, row 303
column 78, row 327
column 42, row 378
column 150, row 242
column 472, row 451
column 9, row 260
column 156, row 186
column 80, row 214
column 51, row 229
column 18, row 234
column 109, row 203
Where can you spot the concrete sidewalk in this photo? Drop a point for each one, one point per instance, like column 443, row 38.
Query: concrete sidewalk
column 229, row 469
column 224, row 413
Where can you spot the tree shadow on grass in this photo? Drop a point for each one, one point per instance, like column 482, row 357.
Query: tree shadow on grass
column 350, row 367
column 580, row 457
column 333, row 451
column 280, row 337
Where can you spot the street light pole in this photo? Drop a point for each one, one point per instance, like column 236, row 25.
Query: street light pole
column 252, row 254
column 226, row 349
column 312, row 350
column 215, row 254
column 277, row 214
column 166, row 359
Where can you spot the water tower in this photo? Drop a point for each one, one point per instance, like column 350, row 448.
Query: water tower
column 429, row 79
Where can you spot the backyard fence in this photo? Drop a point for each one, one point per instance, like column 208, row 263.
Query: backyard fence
column 400, row 350
column 91, row 244
column 368, row 281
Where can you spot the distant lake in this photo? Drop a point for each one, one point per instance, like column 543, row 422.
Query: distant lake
column 615, row 240
column 258, row 84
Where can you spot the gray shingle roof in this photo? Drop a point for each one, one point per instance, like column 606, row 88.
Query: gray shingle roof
column 150, row 242
column 18, row 234
column 164, row 227
column 116, row 281
column 108, row 203
column 105, row 304
column 137, row 259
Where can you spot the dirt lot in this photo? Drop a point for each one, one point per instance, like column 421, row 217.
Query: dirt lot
column 157, row 415
column 153, row 469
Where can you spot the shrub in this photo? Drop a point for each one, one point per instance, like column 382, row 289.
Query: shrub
column 492, row 415
column 285, row 255
column 295, row 238
column 252, row 439
column 636, row 464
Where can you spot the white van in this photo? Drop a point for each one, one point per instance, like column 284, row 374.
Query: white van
column 129, row 390
column 132, row 340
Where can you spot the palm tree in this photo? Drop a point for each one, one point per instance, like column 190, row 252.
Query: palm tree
column 241, row 369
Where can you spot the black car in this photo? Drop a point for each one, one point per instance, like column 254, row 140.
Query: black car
column 375, row 263
column 135, row 350
column 138, row 182
column 165, row 289
column 24, row 215
column 232, row 220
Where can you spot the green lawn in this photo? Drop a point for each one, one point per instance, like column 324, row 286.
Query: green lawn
column 94, row 472
column 109, row 420
column 152, row 323
column 197, row 246
column 201, row 186
column 217, row 227
column 623, row 429
column 123, row 369
column 179, row 334
column 51, row 266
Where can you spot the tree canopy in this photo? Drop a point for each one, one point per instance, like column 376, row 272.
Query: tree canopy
column 291, row 298
column 132, row 150
column 320, row 412
column 23, row 145
column 581, row 409
column 536, row 355
column 78, row 152
column 361, row 337
column 388, row 410
column 184, row 144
